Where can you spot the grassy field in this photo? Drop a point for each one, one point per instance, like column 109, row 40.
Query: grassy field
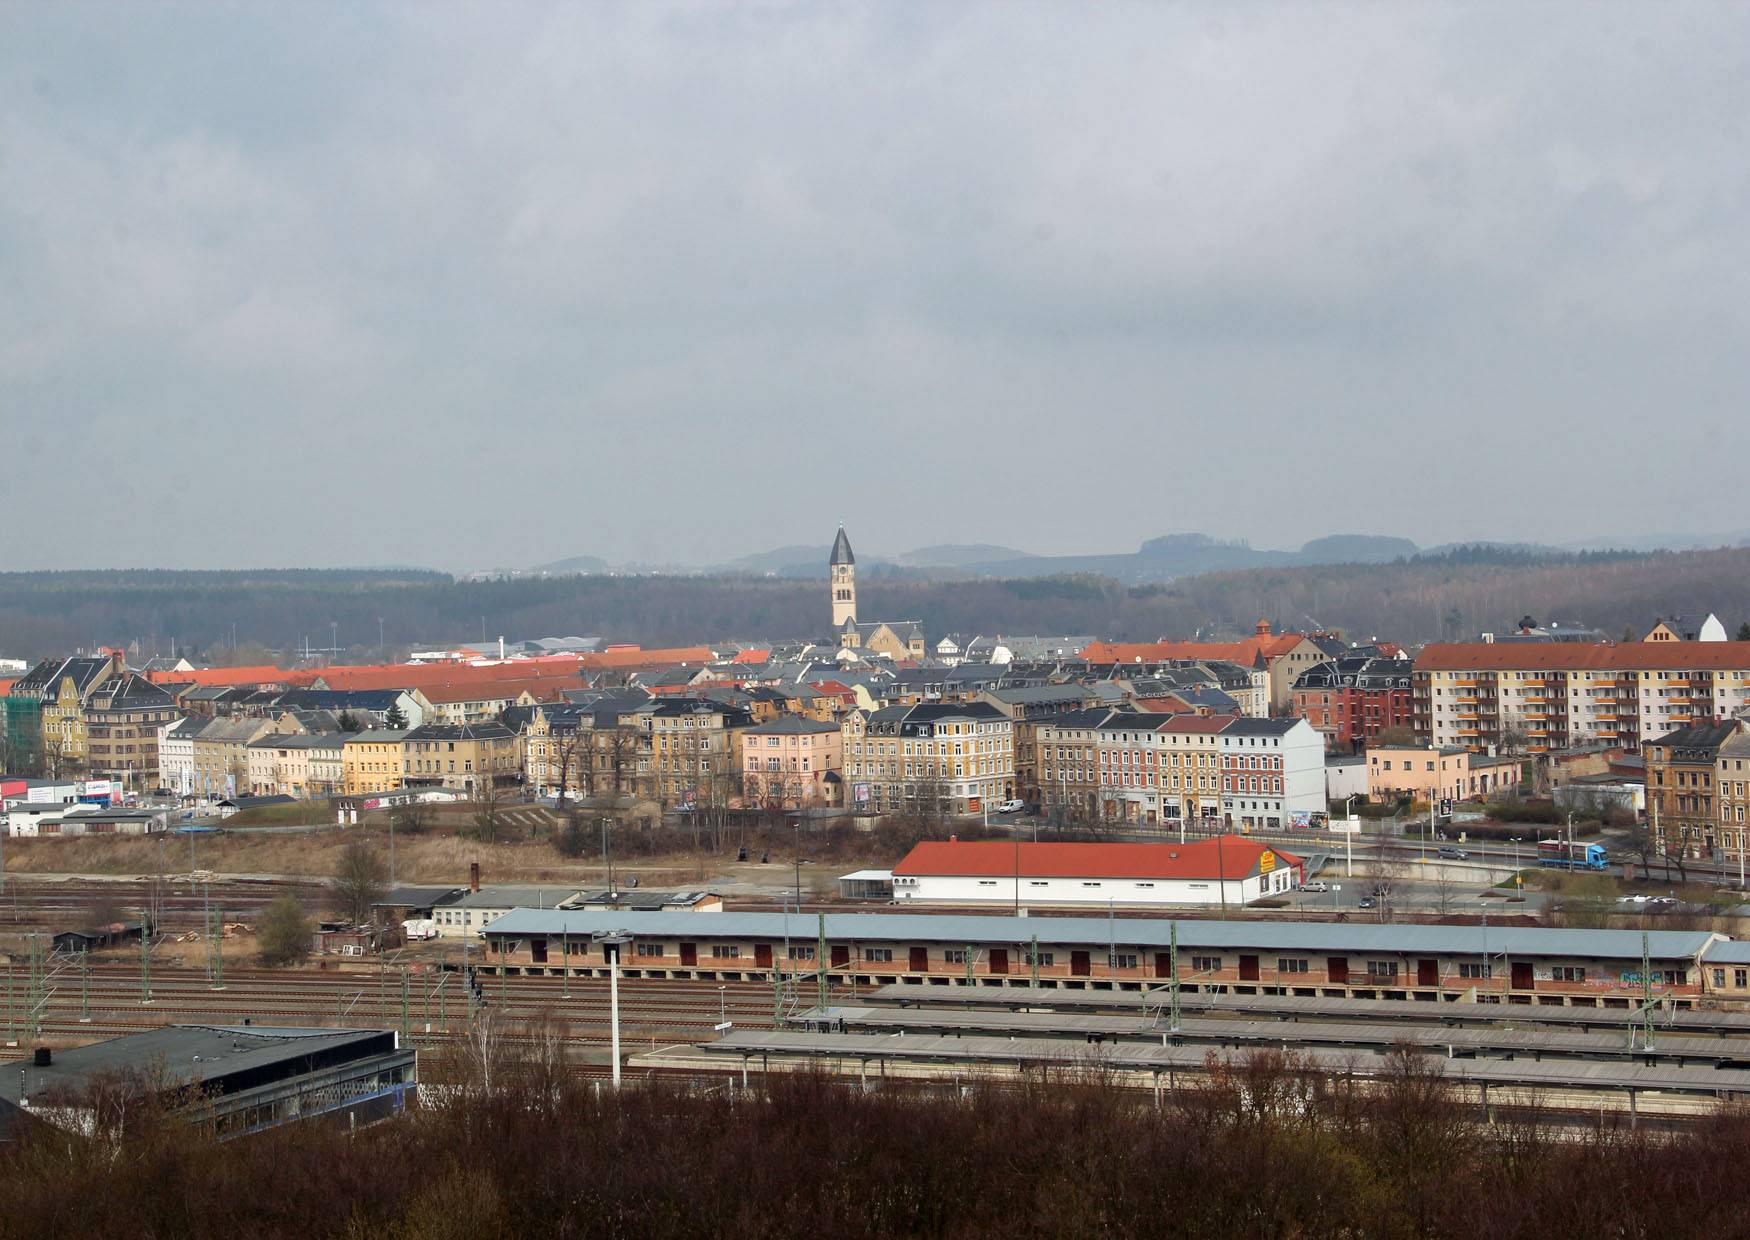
column 435, row 856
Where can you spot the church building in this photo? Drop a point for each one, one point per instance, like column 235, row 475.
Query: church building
column 897, row 639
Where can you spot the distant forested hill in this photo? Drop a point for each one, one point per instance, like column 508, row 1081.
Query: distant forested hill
column 1451, row 595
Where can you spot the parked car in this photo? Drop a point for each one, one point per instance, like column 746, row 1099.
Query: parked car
column 1316, row 886
column 1455, row 854
column 1661, row 899
column 1633, row 900
column 1364, row 902
column 1011, row 807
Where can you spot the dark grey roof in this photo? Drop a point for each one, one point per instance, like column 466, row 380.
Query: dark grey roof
column 207, row 1053
column 488, row 730
column 791, row 725
column 841, row 549
column 417, row 897
column 1698, row 736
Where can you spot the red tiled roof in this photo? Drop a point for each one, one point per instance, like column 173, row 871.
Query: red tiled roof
column 1236, row 856
column 631, row 656
column 261, row 675
column 1270, row 645
column 6, row 686
column 1196, row 723
column 1583, row 656
column 752, row 656
column 420, row 675
column 544, row 689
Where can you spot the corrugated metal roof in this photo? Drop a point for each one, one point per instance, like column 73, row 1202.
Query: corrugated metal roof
column 1143, row 1057
column 1342, row 939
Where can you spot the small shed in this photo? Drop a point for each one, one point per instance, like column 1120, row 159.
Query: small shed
column 96, row 938
column 866, row 885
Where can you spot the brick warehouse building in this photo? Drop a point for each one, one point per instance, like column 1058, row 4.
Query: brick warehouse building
column 1591, row 968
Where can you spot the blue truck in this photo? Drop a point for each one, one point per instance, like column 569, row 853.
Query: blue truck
column 1561, row 855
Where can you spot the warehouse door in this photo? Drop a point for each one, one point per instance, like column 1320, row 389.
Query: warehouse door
column 1078, row 964
column 999, row 960
column 841, row 956
column 920, row 960
column 1163, row 964
column 762, row 955
column 1521, row 976
column 1427, row 973
column 1248, row 968
column 538, row 950
column 1337, row 969
column 689, row 955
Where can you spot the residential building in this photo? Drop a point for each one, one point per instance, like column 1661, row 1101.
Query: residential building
column 469, row 757
column 1682, row 796
column 372, row 761
column 1027, row 707
column 1687, row 629
column 1351, row 699
column 176, row 754
column 695, row 750
column 62, row 687
column 950, row 757
column 221, row 756
column 298, row 765
column 1420, row 772
column 1068, row 761
column 1272, row 774
column 122, row 716
column 1535, row 697
column 1732, row 782
column 1224, row 870
column 793, row 763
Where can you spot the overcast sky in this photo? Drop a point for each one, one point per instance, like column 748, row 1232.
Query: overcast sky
column 475, row 286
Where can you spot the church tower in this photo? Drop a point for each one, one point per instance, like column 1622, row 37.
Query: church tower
column 844, row 582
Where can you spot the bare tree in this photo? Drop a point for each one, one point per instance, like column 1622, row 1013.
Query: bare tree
column 360, row 880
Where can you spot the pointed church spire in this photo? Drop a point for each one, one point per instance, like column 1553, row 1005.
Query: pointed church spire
column 841, row 549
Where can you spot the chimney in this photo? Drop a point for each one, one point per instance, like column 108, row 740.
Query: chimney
column 501, row 647
column 473, row 876
column 42, row 1057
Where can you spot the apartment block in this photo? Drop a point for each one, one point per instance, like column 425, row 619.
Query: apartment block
column 1541, row 696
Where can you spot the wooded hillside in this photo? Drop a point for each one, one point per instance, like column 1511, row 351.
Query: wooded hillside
column 1426, row 598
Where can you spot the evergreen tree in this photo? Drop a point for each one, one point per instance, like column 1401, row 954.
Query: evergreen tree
column 394, row 719
column 1744, row 631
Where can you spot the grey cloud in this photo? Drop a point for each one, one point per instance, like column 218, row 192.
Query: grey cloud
column 1054, row 276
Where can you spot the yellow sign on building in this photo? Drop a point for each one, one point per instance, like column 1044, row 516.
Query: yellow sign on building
column 1266, row 861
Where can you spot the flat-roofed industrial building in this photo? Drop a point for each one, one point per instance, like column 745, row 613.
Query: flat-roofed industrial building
column 1599, row 968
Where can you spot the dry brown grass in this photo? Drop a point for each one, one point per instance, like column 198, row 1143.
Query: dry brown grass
column 435, row 857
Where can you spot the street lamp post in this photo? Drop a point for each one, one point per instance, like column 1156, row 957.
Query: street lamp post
column 612, row 941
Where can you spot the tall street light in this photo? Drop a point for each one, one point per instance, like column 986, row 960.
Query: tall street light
column 612, row 941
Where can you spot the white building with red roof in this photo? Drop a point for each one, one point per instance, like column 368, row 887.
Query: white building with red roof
column 1228, row 869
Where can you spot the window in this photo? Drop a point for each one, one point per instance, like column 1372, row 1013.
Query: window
column 723, row 951
column 1382, row 968
column 1720, row 979
column 647, row 949
column 1476, row 970
column 1291, row 964
column 1741, row 978
column 1206, row 964
column 878, row 955
column 797, row 952
column 1122, row 960
column 1567, row 973
column 954, row 955
column 1043, row 958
